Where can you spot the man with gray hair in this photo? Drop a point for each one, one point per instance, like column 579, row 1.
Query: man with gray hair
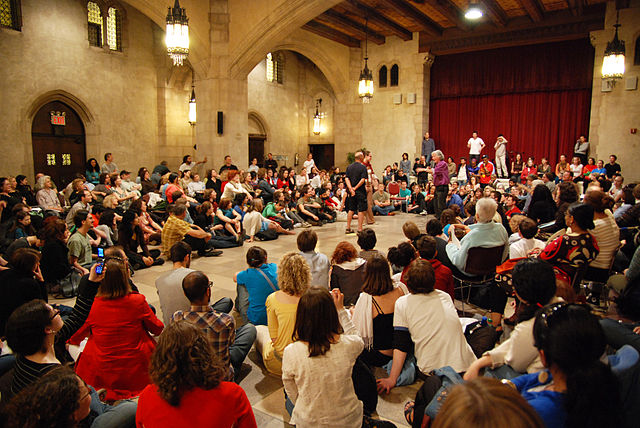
column 441, row 180
column 485, row 233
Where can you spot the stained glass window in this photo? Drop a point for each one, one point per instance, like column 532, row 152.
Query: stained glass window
column 95, row 24
column 10, row 14
column 113, row 29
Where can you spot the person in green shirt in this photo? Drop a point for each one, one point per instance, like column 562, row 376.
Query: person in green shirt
column 79, row 243
column 272, row 212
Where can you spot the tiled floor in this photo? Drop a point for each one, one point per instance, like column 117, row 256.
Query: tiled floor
column 265, row 391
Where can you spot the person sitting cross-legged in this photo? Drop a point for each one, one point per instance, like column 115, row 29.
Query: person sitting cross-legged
column 177, row 229
column 231, row 345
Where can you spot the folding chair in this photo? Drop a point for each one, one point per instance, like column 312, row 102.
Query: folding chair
column 481, row 264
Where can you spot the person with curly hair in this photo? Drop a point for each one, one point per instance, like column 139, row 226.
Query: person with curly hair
column 188, row 387
column 294, row 278
column 347, row 272
column 35, row 408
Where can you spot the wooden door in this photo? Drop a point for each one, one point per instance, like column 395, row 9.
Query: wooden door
column 256, row 148
column 323, row 155
column 58, row 150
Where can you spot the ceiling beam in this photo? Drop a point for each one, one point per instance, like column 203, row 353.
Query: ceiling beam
column 575, row 6
column 534, row 9
column 414, row 14
column 376, row 18
column 331, row 34
column 495, row 12
column 334, row 18
column 449, row 11
column 557, row 26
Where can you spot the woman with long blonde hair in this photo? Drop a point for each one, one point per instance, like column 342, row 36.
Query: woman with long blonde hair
column 294, row 278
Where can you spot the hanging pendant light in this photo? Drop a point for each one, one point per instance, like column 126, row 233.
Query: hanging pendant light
column 177, row 35
column 365, row 83
column 613, row 62
column 473, row 11
column 317, row 129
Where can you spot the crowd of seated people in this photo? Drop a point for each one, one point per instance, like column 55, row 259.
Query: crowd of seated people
column 559, row 234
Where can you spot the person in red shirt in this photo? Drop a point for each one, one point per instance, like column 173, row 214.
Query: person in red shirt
column 485, row 171
column 512, row 208
column 427, row 248
column 527, row 170
column 187, row 387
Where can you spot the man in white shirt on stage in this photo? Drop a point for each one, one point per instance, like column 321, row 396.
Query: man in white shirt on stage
column 475, row 145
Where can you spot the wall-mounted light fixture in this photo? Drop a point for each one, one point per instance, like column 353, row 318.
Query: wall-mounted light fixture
column 317, row 129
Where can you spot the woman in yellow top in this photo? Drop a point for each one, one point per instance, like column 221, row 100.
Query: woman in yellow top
column 294, row 278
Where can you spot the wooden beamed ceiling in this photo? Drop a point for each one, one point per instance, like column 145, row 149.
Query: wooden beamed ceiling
column 442, row 27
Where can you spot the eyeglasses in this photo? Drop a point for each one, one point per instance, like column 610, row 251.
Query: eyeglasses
column 56, row 312
column 87, row 393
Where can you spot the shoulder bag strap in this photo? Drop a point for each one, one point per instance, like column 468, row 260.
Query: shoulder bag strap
column 267, row 278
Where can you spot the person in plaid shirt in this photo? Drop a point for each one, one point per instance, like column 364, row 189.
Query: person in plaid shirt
column 230, row 344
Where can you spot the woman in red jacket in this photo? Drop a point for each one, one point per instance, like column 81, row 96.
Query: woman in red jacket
column 187, row 388
column 119, row 327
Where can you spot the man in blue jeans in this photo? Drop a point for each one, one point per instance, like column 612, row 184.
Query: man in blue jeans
column 231, row 345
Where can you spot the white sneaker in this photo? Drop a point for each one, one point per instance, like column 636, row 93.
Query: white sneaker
column 297, row 225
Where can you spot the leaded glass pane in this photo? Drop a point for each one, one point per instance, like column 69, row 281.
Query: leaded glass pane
column 94, row 17
column 113, row 29
column 66, row 159
column 6, row 17
column 51, row 158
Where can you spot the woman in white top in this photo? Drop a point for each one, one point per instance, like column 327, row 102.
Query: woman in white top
column 309, row 164
column 317, row 366
column 233, row 186
column 427, row 321
column 535, row 285
column 576, row 168
column 254, row 222
column 606, row 232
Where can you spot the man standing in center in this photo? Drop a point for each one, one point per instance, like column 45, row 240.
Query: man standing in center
column 475, row 145
column 501, row 157
column 441, row 180
column 428, row 146
column 356, row 178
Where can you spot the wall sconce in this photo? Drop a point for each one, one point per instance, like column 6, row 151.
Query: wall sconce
column 317, row 129
column 192, row 102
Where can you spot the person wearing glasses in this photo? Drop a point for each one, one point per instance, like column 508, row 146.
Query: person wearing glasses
column 119, row 328
column 37, row 335
column 576, row 389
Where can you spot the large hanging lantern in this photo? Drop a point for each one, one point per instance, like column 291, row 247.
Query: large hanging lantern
column 177, row 35
column 365, row 83
column 317, row 129
column 473, row 11
column 613, row 62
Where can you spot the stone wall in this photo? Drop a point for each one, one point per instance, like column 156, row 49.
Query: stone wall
column 615, row 113
column 389, row 128
column 286, row 110
column 128, row 108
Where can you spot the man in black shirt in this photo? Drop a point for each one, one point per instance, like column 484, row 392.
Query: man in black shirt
column 227, row 165
column 356, row 178
column 420, row 168
column 271, row 163
column 612, row 167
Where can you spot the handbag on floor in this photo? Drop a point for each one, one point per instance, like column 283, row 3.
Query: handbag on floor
column 431, row 395
column 68, row 286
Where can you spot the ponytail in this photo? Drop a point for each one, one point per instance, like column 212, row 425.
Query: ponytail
column 592, row 398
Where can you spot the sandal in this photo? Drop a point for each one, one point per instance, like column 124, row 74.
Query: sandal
column 408, row 411
column 348, row 231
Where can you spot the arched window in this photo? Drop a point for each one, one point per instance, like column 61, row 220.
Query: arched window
column 114, row 29
column 636, row 56
column 94, row 17
column 10, row 16
column 275, row 67
column 393, row 80
column 382, row 77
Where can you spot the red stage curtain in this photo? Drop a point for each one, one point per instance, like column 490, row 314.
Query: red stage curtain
column 538, row 96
